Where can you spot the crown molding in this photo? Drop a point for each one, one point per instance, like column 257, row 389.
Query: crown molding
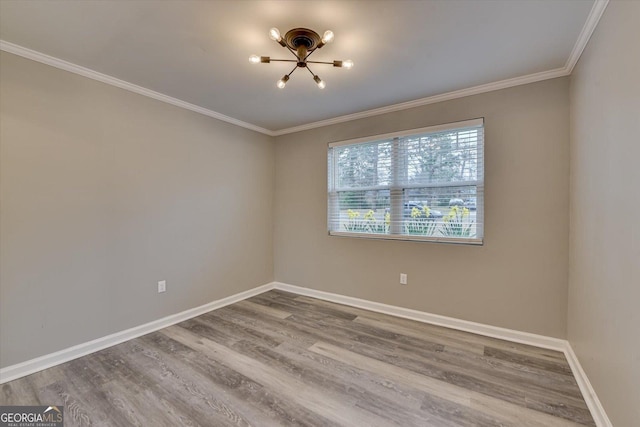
column 589, row 27
column 475, row 90
column 122, row 84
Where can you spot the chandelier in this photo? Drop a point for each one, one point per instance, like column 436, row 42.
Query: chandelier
column 301, row 42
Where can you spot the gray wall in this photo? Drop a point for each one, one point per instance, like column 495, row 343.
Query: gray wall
column 105, row 192
column 518, row 279
column 604, row 284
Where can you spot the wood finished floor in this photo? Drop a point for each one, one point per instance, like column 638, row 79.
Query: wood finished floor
column 280, row 359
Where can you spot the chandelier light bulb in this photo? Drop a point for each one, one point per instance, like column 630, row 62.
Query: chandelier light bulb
column 274, row 34
column 254, row 59
column 327, row 37
column 348, row 64
column 282, row 82
column 321, row 84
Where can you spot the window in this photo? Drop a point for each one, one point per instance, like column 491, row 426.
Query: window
column 424, row 184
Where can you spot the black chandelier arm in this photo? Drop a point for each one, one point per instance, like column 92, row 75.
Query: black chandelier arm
column 291, row 50
column 308, row 55
column 294, row 68
column 320, row 62
column 283, row 60
column 307, row 62
column 335, row 63
column 312, row 73
column 316, row 79
column 283, row 44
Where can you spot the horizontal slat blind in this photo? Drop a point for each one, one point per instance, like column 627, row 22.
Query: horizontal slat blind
column 426, row 184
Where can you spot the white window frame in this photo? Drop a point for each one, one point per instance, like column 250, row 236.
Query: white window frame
column 397, row 189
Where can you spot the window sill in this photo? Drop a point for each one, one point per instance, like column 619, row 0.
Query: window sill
column 431, row 239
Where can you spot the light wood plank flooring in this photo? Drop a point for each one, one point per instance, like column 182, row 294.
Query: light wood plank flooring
column 280, row 359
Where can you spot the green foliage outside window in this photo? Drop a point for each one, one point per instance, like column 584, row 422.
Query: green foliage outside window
column 457, row 223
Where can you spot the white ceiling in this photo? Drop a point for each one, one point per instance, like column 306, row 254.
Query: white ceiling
column 197, row 51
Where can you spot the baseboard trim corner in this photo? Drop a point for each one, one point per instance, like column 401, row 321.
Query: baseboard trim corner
column 593, row 403
column 595, row 406
column 28, row 367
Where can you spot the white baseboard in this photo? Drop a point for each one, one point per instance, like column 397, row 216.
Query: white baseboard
column 434, row 319
column 597, row 411
column 590, row 397
column 47, row 361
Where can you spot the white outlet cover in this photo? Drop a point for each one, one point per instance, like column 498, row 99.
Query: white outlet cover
column 403, row 279
column 162, row 286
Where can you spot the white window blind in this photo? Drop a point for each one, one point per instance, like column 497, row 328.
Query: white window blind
column 424, row 184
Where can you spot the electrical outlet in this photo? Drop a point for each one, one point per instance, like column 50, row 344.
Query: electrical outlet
column 403, row 279
column 162, row 286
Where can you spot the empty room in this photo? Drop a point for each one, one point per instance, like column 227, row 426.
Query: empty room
column 319, row 213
